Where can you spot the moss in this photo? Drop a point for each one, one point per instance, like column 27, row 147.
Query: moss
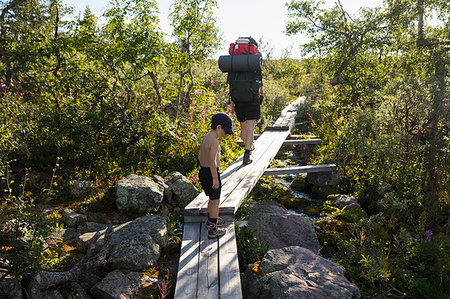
column 291, row 202
column 353, row 215
column 299, row 183
column 312, row 211
column 330, row 233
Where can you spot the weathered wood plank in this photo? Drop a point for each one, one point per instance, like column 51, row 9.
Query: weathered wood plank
column 230, row 282
column 289, row 142
column 234, row 200
column 300, row 169
column 208, row 271
column 186, row 286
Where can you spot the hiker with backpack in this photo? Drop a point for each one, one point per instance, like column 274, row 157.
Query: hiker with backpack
column 244, row 67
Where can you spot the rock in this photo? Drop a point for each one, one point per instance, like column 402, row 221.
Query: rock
column 93, row 227
column 281, row 230
column 182, row 189
column 138, row 194
column 323, row 178
column 296, row 272
column 117, row 285
column 10, row 288
column 167, row 195
column 73, row 219
column 88, row 280
column 136, row 244
column 344, row 200
column 78, row 293
column 52, row 294
column 267, row 206
column 78, row 188
column 66, row 235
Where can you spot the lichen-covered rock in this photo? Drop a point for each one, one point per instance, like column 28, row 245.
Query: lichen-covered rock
column 72, row 218
column 138, row 194
column 296, row 272
column 117, row 285
column 67, row 235
column 341, row 201
column 167, row 189
column 78, row 188
column 10, row 288
column 182, row 189
column 329, row 178
column 135, row 245
column 283, row 229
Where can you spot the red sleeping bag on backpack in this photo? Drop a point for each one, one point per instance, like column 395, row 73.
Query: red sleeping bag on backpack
column 240, row 49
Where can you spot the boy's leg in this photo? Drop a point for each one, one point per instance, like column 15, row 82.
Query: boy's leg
column 214, row 231
column 213, row 208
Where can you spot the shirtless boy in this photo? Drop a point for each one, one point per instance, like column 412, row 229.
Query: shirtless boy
column 209, row 157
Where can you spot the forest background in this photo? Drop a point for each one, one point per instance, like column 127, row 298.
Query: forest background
column 81, row 100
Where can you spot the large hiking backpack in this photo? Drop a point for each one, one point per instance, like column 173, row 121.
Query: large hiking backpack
column 244, row 85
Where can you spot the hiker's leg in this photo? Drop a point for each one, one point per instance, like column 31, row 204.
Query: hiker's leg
column 244, row 132
column 249, row 133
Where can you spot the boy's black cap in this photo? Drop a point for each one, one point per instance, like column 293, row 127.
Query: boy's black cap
column 224, row 120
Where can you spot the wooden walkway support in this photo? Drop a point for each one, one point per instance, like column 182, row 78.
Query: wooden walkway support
column 209, row 268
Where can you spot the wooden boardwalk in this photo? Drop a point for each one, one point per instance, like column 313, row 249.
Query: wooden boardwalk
column 210, row 268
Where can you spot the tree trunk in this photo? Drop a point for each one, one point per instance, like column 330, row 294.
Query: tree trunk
column 45, row 279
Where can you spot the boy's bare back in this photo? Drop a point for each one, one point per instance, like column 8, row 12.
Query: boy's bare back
column 209, row 153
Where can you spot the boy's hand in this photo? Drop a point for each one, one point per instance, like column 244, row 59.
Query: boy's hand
column 215, row 183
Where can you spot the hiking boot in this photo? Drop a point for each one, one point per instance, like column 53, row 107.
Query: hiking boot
column 216, row 233
column 247, row 157
column 211, row 225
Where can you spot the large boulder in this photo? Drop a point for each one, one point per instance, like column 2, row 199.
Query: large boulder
column 135, row 245
column 167, row 190
column 281, row 229
column 117, row 285
column 296, row 272
column 182, row 189
column 138, row 194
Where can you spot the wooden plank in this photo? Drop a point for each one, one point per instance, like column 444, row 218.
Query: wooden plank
column 300, row 169
column 234, row 200
column 230, row 282
column 247, row 170
column 203, row 218
column 301, row 142
column 186, row 285
column 208, row 270
column 294, row 142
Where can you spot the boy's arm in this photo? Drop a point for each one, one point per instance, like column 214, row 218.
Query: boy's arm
column 213, row 163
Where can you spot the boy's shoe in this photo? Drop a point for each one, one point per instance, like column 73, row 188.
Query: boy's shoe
column 247, row 157
column 216, row 233
column 211, row 225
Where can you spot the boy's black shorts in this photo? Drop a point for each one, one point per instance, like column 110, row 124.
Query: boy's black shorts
column 247, row 112
column 206, row 181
